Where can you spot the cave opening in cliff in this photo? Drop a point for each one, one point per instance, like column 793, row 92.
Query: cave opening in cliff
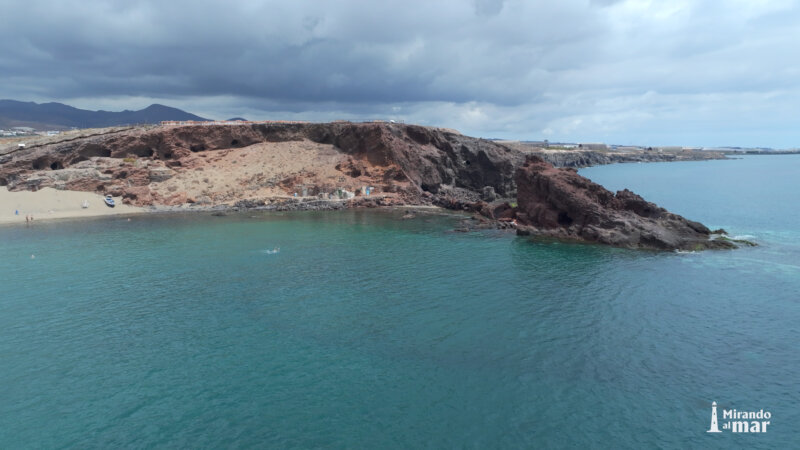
column 92, row 150
column 432, row 188
column 140, row 152
column 235, row 142
column 3, row 182
column 564, row 219
column 56, row 165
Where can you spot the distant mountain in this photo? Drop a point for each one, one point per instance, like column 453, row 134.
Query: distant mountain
column 60, row 116
column 237, row 118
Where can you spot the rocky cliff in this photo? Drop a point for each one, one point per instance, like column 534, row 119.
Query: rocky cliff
column 588, row 158
column 561, row 203
column 155, row 165
column 256, row 165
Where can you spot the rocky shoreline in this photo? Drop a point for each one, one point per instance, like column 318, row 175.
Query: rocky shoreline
column 560, row 203
column 588, row 158
column 329, row 166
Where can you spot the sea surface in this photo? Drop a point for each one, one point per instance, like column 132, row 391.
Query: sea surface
column 356, row 329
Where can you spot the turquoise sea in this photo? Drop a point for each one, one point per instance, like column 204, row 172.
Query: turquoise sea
column 366, row 331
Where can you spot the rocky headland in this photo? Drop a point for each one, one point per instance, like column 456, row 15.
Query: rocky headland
column 579, row 158
column 342, row 164
column 560, row 203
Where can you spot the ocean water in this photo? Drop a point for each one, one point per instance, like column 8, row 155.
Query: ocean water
column 357, row 329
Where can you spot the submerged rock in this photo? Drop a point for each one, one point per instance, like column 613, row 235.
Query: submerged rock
column 561, row 203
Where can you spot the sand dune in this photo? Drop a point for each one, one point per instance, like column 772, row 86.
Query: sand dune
column 49, row 203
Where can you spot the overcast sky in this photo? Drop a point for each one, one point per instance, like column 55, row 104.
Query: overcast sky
column 675, row 72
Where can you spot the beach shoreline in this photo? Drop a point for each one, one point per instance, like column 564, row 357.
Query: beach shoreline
column 49, row 204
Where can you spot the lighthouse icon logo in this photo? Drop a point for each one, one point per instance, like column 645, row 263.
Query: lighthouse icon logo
column 714, row 427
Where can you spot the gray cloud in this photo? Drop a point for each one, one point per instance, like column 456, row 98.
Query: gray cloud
column 621, row 71
column 488, row 7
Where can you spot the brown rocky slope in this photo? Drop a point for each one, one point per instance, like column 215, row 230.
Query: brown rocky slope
column 255, row 165
column 160, row 165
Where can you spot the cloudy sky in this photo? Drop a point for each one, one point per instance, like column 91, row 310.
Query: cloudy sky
column 676, row 72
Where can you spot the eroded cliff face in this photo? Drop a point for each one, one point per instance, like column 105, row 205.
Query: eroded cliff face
column 160, row 165
column 255, row 165
column 561, row 203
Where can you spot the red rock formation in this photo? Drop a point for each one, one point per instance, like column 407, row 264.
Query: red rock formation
column 561, row 203
column 418, row 163
column 254, row 164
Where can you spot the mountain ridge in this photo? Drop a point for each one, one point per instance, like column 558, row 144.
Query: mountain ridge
column 54, row 115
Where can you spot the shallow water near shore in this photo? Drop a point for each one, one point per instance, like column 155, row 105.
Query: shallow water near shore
column 366, row 331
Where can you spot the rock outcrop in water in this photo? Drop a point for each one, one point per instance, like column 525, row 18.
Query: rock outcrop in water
column 561, row 203
column 305, row 165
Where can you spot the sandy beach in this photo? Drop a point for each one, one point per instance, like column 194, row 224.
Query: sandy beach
column 49, row 203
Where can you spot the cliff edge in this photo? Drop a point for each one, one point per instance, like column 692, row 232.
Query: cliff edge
column 175, row 165
column 341, row 164
column 561, row 203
